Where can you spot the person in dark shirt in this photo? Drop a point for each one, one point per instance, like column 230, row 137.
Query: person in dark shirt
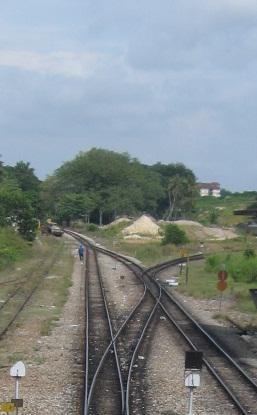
column 81, row 252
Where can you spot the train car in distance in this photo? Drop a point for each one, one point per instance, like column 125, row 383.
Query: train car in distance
column 56, row 230
column 53, row 228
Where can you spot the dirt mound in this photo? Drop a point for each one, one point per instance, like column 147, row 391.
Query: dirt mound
column 205, row 232
column 201, row 232
column 142, row 226
column 117, row 221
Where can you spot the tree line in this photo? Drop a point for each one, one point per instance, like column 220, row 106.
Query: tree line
column 100, row 185
column 20, row 198
column 96, row 186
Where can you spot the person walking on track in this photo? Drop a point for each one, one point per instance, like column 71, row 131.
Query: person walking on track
column 81, row 252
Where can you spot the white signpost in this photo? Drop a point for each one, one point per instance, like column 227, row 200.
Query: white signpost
column 17, row 371
column 193, row 365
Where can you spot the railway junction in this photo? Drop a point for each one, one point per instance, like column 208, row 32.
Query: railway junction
column 119, row 347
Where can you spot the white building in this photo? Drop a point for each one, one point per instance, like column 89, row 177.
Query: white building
column 209, row 189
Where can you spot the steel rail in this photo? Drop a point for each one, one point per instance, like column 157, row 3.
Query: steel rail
column 129, row 264
column 23, row 304
column 112, row 338
column 157, row 268
column 86, row 362
column 209, row 338
column 136, row 351
column 20, row 284
column 89, row 391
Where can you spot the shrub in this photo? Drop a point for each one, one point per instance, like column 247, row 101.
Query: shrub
column 174, row 235
column 91, row 227
column 213, row 216
column 242, row 269
column 213, row 263
column 249, row 253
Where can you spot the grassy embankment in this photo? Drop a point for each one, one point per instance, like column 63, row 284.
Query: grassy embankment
column 12, row 248
column 49, row 261
column 220, row 210
column 203, row 279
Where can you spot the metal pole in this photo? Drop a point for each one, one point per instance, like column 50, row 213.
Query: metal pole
column 191, row 402
column 17, row 392
column 187, row 270
column 220, row 301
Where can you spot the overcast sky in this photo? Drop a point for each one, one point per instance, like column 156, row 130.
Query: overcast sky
column 168, row 80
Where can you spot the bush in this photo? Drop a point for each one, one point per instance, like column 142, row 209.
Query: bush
column 213, row 216
column 241, row 268
column 174, row 235
column 249, row 253
column 213, row 263
column 12, row 247
column 91, row 227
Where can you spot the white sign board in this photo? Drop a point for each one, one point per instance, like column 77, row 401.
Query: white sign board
column 192, row 379
column 173, row 282
column 18, row 370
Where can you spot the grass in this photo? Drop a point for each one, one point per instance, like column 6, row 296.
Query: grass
column 224, row 207
column 202, row 283
column 53, row 295
column 52, row 262
column 12, row 247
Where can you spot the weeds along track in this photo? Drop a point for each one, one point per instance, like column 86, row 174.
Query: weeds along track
column 18, row 285
column 17, row 298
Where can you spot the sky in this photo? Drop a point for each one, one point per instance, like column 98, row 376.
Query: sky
column 169, row 81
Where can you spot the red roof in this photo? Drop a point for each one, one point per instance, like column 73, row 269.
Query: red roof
column 209, row 186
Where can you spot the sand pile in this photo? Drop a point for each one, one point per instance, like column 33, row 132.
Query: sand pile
column 143, row 226
column 117, row 221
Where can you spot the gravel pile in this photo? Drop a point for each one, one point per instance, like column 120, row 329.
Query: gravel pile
column 143, row 226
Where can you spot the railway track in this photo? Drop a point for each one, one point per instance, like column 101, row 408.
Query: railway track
column 18, row 298
column 127, row 339
column 104, row 392
column 239, row 386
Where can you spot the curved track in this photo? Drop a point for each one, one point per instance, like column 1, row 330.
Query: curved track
column 240, row 387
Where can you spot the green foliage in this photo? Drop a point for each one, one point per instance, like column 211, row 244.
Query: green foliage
column 19, row 199
column 16, row 210
column 110, row 184
column 174, row 235
column 24, row 175
column 224, row 206
column 249, row 253
column 239, row 267
column 213, row 216
column 213, row 263
column 148, row 253
column 91, row 227
column 12, row 247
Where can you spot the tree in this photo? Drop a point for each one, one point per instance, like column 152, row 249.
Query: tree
column 1, row 170
column 73, row 206
column 16, row 210
column 116, row 184
column 24, row 176
column 181, row 192
column 167, row 173
column 174, row 235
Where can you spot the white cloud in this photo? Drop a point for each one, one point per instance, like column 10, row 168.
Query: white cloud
column 68, row 64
